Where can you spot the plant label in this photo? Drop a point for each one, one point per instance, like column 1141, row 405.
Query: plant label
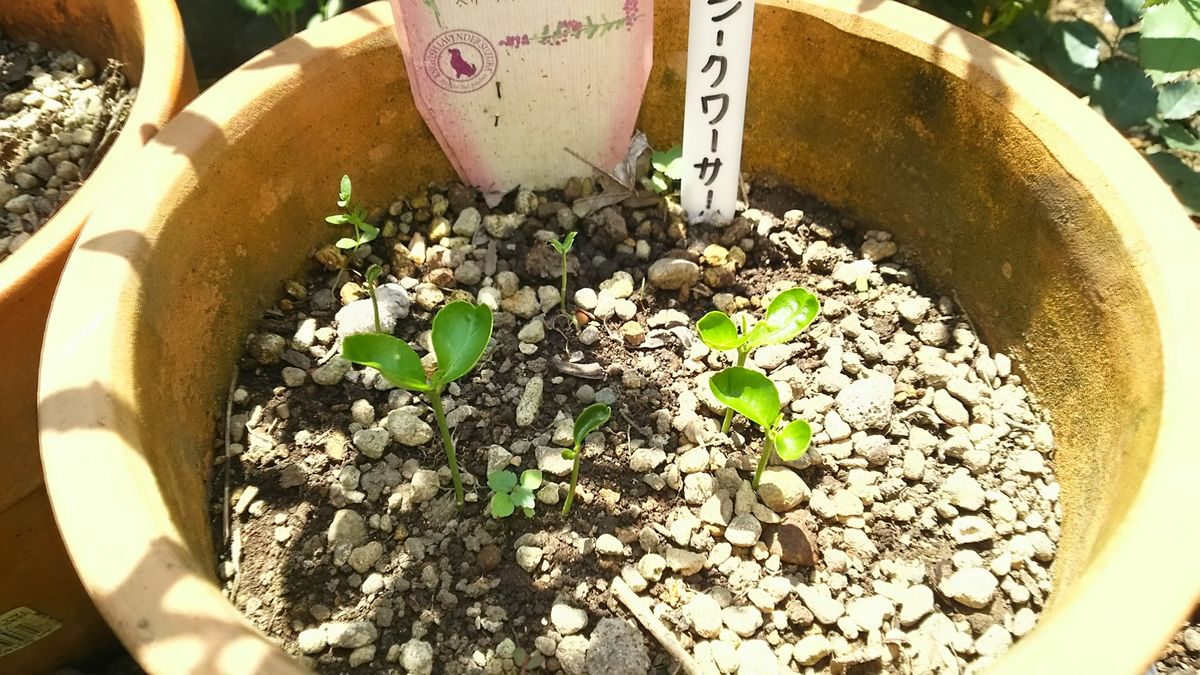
column 511, row 88
column 718, row 67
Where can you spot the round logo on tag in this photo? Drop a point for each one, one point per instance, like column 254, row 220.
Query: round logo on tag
column 460, row 61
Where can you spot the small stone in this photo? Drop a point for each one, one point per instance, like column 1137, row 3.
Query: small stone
column 266, row 348
column 468, row 222
column 877, row 251
column 652, row 566
column 914, row 464
column 616, row 648
column 294, row 377
column 416, row 657
column 744, row 530
column 646, row 459
column 994, row 641
column 950, row 409
column 792, row 542
column 823, row 606
column 693, row 461
column 332, row 372
column 550, row 461
column 312, row 640
column 1031, row 461
column 972, row 586
column 362, row 655
column 809, row 650
column 351, row 634
column 347, row 528
column 781, row 489
column 529, row 557
column 425, row 485
column 705, row 615
column 742, row 619
column 673, row 273
column 684, row 563
column 571, row 653
column 408, row 429
column 1025, row 619
column 524, row 303
column 531, row 402
column 568, row 620
column 756, row 658
column 606, row 544
column 868, row 613
column 915, row 603
column 363, row 558
column 372, row 442
column 533, row 332
column 963, row 491
column 971, row 529
column 867, row 403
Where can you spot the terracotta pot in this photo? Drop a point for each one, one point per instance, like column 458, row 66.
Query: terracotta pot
column 148, row 37
column 1064, row 246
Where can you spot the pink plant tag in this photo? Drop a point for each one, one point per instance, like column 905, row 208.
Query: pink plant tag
column 511, row 88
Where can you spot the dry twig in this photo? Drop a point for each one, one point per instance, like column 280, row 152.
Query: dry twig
column 665, row 637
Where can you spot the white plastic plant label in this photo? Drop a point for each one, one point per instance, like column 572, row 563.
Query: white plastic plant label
column 718, row 68
column 22, row 627
column 509, row 86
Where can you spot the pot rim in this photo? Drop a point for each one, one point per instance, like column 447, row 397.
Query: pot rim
column 1152, row 226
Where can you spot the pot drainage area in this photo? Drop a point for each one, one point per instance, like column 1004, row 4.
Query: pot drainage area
column 58, row 114
column 917, row 533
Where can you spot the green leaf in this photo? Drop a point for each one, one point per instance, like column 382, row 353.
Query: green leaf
column 502, row 481
column 718, row 331
column 259, row 7
column 344, row 192
column 1179, row 100
column 1125, row 13
column 792, row 441
column 569, row 242
column 391, row 356
column 502, row 505
column 1171, row 37
column 1072, row 52
column 346, row 243
column 1179, row 138
column 528, row 512
column 461, row 332
column 787, row 315
column 373, row 273
column 339, row 219
column 523, row 497
column 1124, row 93
column 659, row 182
column 531, row 479
column 1182, row 179
column 592, row 418
column 748, row 393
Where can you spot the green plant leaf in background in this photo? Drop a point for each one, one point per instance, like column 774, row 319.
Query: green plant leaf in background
column 1182, row 179
column 1124, row 93
column 1179, row 100
column 531, row 479
column 792, row 441
column 1179, row 138
column 1072, row 52
column 460, row 334
column 1124, row 13
column 592, row 418
column 502, row 481
column 391, row 356
column 749, row 393
column 1170, row 40
column 718, row 332
column 787, row 315
column 669, row 162
column 502, row 505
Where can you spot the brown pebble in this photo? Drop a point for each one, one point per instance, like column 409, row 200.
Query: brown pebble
column 489, row 557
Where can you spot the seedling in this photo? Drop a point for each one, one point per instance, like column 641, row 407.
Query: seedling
column 564, row 247
column 754, row 396
column 284, row 12
column 508, row 493
column 460, row 334
column 364, row 232
column 788, row 314
column 372, row 276
column 592, row 418
column 668, row 168
column 527, row 661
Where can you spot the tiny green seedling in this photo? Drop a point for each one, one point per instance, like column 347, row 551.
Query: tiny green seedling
column 364, row 232
column 787, row 316
column 668, row 168
column 527, row 661
column 284, row 12
column 592, row 418
column 372, row 276
column 509, row 494
column 564, row 247
column 754, row 396
column 460, row 335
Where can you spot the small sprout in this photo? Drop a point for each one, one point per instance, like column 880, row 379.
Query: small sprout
column 509, row 494
column 460, row 335
column 364, row 232
column 668, row 168
column 372, row 276
column 592, row 418
column 755, row 397
column 564, row 247
column 787, row 316
column 527, row 661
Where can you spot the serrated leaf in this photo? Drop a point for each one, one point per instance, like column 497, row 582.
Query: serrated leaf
column 344, row 192
column 523, row 497
column 1179, row 100
column 1179, row 138
column 787, row 316
column 1124, row 93
column 460, row 335
column 749, row 393
column 592, row 418
column 391, row 356
column 531, row 479
column 718, row 331
column 502, row 505
column 1072, row 52
column 1183, row 180
column 346, row 243
column 502, row 481
column 1170, row 39
column 792, row 441
column 1124, row 13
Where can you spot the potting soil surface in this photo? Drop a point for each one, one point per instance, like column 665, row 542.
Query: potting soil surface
column 58, row 115
column 916, row 535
